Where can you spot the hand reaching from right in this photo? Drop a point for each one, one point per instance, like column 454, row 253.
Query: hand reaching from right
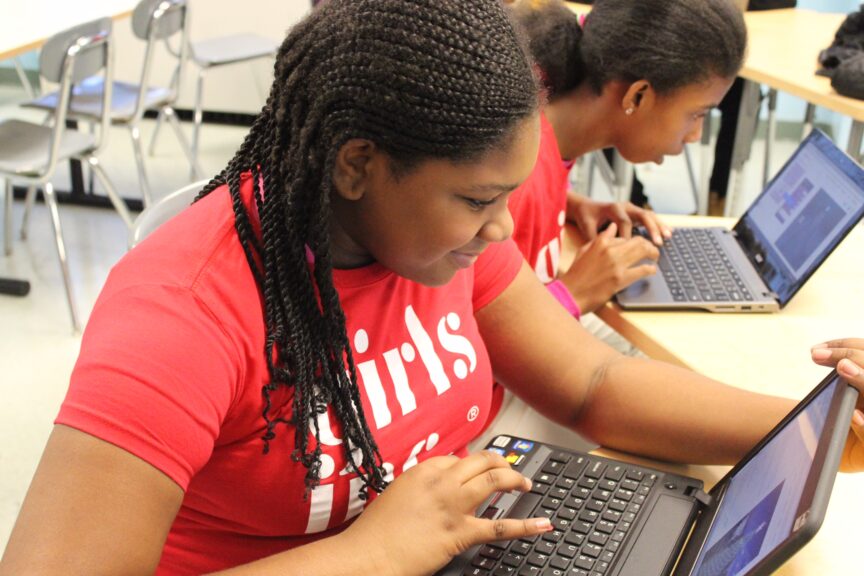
column 426, row 516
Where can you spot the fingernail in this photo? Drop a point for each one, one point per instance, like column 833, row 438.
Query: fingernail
column 858, row 418
column 820, row 353
column 543, row 524
column 820, row 345
column 848, row 368
column 528, row 484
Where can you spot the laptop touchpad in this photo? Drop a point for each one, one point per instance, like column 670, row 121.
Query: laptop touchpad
column 655, row 545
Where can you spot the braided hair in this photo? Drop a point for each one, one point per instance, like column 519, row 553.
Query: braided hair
column 422, row 79
column 670, row 43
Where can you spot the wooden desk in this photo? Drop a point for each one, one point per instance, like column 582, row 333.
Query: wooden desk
column 769, row 353
column 783, row 53
column 31, row 23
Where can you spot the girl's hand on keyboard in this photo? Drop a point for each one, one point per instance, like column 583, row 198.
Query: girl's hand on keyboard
column 606, row 265
column 426, row 516
column 591, row 217
column 847, row 356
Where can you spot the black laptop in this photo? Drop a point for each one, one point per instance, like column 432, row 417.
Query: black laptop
column 785, row 235
column 612, row 518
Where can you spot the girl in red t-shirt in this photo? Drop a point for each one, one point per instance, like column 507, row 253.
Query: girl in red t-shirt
column 318, row 327
column 628, row 76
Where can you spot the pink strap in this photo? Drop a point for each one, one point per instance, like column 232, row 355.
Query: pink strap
column 562, row 294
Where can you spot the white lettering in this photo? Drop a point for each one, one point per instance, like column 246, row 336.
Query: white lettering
column 427, row 351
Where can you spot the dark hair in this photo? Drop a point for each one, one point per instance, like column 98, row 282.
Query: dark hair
column 671, row 43
column 422, row 79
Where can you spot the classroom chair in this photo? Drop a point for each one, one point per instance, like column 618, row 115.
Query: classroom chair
column 153, row 21
column 212, row 53
column 30, row 153
column 163, row 210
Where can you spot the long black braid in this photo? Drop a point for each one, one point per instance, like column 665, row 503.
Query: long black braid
column 422, row 79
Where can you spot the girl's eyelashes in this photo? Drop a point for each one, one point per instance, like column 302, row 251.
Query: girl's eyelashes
column 476, row 204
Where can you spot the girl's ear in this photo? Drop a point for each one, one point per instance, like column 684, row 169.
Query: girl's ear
column 354, row 164
column 638, row 96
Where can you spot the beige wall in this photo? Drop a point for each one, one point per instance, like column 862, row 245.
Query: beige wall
column 235, row 88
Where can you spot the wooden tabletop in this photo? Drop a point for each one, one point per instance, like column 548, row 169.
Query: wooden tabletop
column 769, row 353
column 26, row 25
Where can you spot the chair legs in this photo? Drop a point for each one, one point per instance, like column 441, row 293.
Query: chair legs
column 146, row 195
column 190, row 152
column 178, row 130
column 7, row 218
column 51, row 202
column 198, row 118
column 28, row 207
column 159, row 119
column 115, row 198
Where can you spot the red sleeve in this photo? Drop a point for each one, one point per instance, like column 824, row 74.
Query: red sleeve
column 496, row 268
column 156, row 376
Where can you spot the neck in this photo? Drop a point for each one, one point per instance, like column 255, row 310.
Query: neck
column 581, row 120
column 345, row 251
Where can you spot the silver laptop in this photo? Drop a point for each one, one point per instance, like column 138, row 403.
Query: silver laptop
column 611, row 518
column 785, row 235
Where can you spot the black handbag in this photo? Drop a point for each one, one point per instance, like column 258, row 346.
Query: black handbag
column 843, row 60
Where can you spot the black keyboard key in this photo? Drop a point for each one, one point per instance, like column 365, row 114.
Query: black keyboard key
column 596, row 470
column 574, row 538
column 575, row 467
column 511, row 559
column 539, row 560
column 615, row 472
column 562, row 457
column 584, row 562
column 491, row 552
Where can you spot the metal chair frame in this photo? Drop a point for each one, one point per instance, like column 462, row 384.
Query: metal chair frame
column 67, row 58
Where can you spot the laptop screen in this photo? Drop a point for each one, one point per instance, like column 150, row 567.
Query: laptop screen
column 802, row 215
column 768, row 498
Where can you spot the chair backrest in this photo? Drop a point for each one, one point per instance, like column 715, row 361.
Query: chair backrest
column 163, row 210
column 70, row 57
column 161, row 20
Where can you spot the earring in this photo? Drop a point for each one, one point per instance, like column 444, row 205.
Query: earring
column 629, row 111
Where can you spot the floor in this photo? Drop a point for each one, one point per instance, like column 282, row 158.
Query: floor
column 37, row 345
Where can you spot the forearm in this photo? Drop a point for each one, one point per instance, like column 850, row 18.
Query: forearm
column 670, row 413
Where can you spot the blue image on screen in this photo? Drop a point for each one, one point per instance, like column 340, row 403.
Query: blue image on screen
column 762, row 499
column 741, row 544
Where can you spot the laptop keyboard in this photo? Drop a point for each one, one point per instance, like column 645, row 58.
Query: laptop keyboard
column 696, row 269
column 592, row 505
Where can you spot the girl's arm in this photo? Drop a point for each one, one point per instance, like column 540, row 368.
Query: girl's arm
column 544, row 356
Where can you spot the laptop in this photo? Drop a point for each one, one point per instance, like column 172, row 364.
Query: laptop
column 613, row 518
column 783, row 237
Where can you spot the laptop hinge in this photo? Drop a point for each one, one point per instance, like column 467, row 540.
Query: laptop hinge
column 703, row 497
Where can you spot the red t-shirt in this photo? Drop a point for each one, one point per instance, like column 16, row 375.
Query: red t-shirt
column 539, row 207
column 172, row 366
